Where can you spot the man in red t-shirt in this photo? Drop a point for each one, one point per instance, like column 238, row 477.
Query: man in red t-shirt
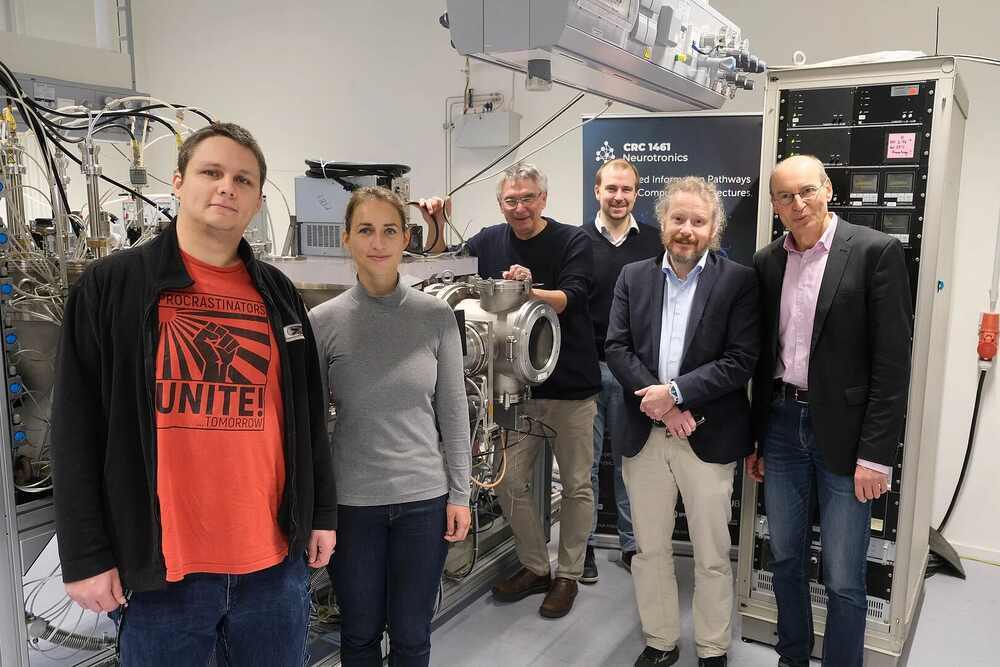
column 238, row 483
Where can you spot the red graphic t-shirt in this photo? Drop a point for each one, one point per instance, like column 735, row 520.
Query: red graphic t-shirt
column 220, row 463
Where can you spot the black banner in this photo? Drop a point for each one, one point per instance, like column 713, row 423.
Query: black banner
column 723, row 148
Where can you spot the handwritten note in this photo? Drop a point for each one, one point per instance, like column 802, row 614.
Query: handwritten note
column 901, row 146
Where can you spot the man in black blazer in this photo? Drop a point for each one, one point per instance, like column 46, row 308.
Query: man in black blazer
column 829, row 396
column 683, row 340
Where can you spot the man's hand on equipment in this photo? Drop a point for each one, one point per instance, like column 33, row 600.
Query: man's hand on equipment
column 433, row 210
column 517, row 272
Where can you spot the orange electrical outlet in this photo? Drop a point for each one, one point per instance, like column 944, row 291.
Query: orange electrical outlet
column 989, row 327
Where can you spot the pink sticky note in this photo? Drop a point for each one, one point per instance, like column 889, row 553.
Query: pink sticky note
column 901, row 145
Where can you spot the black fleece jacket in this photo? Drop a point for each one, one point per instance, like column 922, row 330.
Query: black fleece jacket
column 104, row 427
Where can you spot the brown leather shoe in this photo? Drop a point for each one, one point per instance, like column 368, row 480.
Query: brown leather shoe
column 521, row 585
column 559, row 599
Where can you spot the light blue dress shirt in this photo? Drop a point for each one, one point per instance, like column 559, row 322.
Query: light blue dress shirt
column 678, row 295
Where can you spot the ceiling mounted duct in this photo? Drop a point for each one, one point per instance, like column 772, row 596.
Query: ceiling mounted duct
column 658, row 55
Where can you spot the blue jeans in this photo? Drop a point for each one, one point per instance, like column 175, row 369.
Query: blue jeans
column 791, row 463
column 260, row 618
column 386, row 571
column 609, row 405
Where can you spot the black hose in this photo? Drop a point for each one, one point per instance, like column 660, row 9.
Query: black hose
column 694, row 46
column 107, row 119
column 41, row 133
column 14, row 88
column 122, row 112
column 475, row 547
column 968, row 453
column 475, row 538
column 106, row 178
column 339, row 171
column 336, row 170
column 431, row 226
column 120, row 126
column 113, row 115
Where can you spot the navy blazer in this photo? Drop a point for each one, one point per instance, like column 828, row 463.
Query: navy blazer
column 859, row 355
column 721, row 345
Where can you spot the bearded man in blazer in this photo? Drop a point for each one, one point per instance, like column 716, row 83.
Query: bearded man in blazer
column 683, row 341
column 829, row 397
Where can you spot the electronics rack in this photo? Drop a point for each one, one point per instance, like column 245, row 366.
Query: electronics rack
column 890, row 136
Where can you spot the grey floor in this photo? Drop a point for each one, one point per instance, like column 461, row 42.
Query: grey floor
column 958, row 625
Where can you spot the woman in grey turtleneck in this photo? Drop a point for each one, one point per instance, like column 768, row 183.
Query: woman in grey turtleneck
column 401, row 440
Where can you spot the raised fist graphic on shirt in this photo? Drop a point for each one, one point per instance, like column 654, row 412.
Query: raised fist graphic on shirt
column 217, row 348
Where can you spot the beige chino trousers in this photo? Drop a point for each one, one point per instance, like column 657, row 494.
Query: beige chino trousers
column 653, row 478
column 573, row 448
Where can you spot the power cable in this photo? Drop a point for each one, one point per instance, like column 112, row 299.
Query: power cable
column 968, row 453
column 520, row 143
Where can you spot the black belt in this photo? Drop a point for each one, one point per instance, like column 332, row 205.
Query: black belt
column 790, row 392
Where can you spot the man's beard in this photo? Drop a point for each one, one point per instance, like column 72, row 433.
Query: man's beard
column 691, row 257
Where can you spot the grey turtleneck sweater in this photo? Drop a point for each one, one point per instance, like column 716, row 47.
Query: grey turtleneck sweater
column 395, row 374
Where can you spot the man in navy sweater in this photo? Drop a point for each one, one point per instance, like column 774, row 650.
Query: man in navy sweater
column 617, row 239
column 558, row 259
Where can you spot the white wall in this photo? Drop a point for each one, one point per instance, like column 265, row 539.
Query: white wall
column 59, row 39
column 362, row 82
column 368, row 82
column 60, row 21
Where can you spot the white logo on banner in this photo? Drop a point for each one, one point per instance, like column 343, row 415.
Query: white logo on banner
column 605, row 153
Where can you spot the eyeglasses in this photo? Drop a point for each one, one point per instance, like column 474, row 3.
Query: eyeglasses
column 807, row 193
column 512, row 202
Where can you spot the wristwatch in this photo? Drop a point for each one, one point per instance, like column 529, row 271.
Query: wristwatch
column 674, row 392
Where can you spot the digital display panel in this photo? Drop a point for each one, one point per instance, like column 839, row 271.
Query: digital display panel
column 908, row 90
column 896, row 223
column 862, row 219
column 899, row 182
column 864, row 183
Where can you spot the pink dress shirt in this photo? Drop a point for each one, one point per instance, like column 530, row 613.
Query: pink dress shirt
column 799, row 294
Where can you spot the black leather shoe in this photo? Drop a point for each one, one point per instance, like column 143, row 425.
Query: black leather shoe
column 652, row 657
column 589, row 575
column 714, row 661
column 627, row 560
